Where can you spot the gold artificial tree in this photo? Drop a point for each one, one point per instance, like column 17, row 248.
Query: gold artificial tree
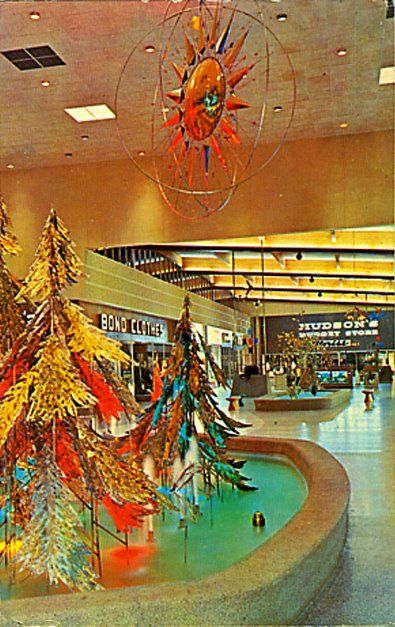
column 58, row 366
column 11, row 311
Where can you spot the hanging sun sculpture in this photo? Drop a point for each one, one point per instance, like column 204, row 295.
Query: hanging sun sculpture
column 206, row 96
column 208, row 110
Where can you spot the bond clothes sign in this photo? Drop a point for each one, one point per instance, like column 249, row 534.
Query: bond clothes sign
column 135, row 328
column 334, row 331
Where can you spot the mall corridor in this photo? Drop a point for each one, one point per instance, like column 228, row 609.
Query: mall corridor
column 361, row 591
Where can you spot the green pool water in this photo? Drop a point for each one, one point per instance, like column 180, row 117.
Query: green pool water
column 223, row 534
column 320, row 394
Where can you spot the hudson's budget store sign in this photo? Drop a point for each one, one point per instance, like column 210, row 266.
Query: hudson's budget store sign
column 334, row 331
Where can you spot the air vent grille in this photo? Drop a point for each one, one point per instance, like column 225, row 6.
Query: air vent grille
column 33, row 58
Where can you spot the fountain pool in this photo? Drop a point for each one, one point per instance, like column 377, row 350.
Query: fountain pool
column 222, row 535
column 325, row 399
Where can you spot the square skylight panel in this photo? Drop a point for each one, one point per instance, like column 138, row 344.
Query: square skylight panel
column 387, row 75
column 91, row 113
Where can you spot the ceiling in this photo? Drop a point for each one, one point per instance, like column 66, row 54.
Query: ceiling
column 95, row 38
column 353, row 266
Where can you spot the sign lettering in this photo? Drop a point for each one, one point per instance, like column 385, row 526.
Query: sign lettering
column 335, row 331
column 133, row 326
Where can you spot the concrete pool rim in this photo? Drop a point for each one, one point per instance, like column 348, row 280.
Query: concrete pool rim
column 282, row 401
column 271, row 585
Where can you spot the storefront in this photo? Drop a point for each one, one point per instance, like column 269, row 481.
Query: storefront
column 222, row 345
column 351, row 343
column 143, row 337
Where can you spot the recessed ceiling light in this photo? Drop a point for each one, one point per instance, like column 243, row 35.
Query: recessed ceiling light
column 34, row 15
column 341, row 52
column 277, row 108
column 387, row 75
column 68, row 155
column 91, row 113
column 10, row 166
column 343, row 124
column 281, row 17
column 150, row 48
column 84, row 138
column 45, row 83
column 311, row 279
column 141, row 153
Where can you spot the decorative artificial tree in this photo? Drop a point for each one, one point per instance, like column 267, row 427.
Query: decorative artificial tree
column 11, row 311
column 60, row 364
column 306, row 351
column 157, row 381
column 185, row 431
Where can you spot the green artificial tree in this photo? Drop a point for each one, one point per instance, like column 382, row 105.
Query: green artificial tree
column 187, row 417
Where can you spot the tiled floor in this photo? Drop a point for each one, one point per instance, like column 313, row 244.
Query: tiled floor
column 363, row 590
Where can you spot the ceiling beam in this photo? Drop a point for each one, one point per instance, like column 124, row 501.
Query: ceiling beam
column 320, row 301
column 305, row 275
column 180, row 248
column 324, row 290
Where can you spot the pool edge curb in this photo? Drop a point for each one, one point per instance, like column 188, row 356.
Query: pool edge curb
column 272, row 585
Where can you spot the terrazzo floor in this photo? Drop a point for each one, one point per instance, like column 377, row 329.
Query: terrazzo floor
column 362, row 590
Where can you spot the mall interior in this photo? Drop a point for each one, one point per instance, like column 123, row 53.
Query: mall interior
column 240, row 152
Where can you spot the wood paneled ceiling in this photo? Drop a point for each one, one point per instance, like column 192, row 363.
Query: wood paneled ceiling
column 353, row 266
column 94, row 39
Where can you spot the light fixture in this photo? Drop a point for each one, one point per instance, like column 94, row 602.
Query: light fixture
column 84, row 138
column 343, row 124
column 68, row 155
column 141, row 153
column 281, row 17
column 311, row 279
column 277, row 109
column 299, row 256
column 150, row 48
column 91, row 113
column 45, row 83
column 387, row 75
column 34, row 15
column 320, row 294
column 10, row 166
column 341, row 52
column 333, row 236
column 257, row 303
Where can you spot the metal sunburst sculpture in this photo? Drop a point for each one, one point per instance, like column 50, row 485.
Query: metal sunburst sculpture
column 206, row 96
column 209, row 105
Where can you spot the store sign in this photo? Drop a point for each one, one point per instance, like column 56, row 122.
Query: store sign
column 226, row 339
column 137, row 327
column 218, row 337
column 334, row 331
